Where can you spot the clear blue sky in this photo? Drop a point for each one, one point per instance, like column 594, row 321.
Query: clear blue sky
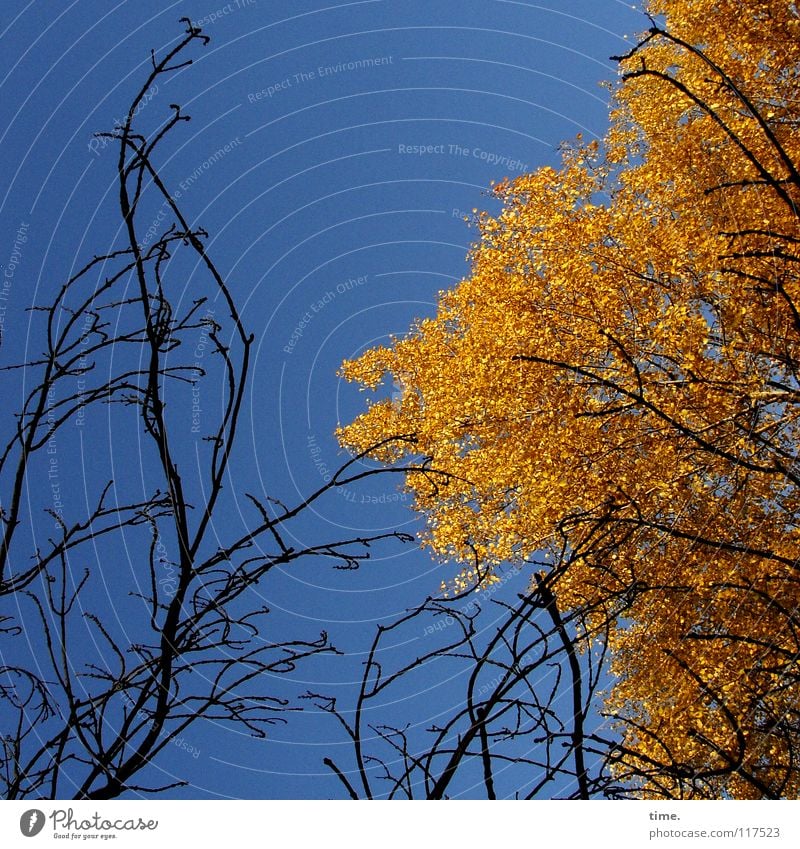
column 354, row 139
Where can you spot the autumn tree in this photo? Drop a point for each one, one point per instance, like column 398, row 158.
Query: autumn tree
column 614, row 393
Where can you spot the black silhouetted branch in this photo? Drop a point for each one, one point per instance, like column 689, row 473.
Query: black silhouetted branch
column 507, row 730
column 91, row 693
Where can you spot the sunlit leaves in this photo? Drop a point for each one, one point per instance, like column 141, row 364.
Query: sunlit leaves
column 616, row 383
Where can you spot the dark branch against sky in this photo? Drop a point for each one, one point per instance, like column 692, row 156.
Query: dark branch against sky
column 333, row 154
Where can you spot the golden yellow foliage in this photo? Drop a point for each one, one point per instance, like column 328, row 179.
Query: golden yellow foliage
column 617, row 385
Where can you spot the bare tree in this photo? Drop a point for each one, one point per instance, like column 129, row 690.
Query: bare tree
column 520, row 718
column 93, row 689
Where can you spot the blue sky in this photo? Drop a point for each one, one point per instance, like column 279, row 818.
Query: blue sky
column 333, row 153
